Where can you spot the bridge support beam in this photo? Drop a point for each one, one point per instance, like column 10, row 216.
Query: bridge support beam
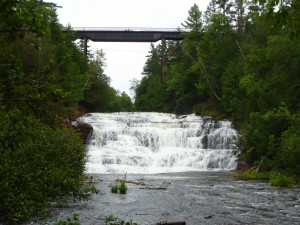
column 85, row 46
column 163, row 51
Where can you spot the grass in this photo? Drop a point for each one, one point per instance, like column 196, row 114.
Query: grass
column 251, row 175
column 69, row 221
column 114, row 188
column 120, row 186
column 279, row 180
column 113, row 220
column 274, row 178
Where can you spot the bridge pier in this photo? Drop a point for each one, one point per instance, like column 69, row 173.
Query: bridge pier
column 163, row 50
column 85, row 45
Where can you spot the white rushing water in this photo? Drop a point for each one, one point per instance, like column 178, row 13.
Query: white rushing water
column 158, row 143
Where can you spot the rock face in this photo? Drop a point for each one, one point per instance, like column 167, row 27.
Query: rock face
column 85, row 130
column 242, row 166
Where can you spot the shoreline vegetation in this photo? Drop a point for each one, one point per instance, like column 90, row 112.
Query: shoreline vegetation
column 273, row 178
column 240, row 60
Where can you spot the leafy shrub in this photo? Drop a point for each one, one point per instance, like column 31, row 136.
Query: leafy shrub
column 279, row 180
column 251, row 175
column 114, row 188
column 37, row 163
column 69, row 221
column 113, row 220
column 122, row 187
column 289, row 156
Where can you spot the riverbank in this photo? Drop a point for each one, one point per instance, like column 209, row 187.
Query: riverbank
column 193, row 197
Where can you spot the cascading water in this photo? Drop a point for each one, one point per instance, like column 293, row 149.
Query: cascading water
column 158, row 142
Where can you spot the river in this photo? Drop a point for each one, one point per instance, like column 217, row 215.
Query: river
column 186, row 166
column 212, row 198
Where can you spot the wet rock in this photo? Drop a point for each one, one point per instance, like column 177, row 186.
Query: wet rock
column 242, row 166
column 204, row 142
column 85, row 130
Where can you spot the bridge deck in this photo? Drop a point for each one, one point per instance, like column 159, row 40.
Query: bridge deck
column 130, row 34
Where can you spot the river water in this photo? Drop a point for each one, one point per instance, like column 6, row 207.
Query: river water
column 185, row 164
column 209, row 198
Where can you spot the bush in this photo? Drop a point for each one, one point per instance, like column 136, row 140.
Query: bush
column 37, row 163
column 122, row 187
column 279, row 180
column 69, row 221
column 114, row 188
column 251, row 175
column 113, row 220
column 289, row 156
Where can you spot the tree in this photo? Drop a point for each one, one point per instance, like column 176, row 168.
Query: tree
column 241, row 64
column 41, row 159
column 98, row 95
column 284, row 13
column 194, row 20
column 224, row 7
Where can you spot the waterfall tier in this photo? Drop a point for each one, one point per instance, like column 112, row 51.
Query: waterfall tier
column 158, row 142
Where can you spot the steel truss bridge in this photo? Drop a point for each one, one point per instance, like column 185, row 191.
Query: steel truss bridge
column 129, row 34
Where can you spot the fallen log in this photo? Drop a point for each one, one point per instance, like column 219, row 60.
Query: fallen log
column 131, row 181
column 171, row 223
column 208, row 217
column 153, row 188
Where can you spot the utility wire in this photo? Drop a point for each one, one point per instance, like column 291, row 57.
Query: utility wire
column 118, row 50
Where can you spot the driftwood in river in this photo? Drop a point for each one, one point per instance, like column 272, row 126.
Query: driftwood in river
column 154, row 188
column 131, row 181
column 163, row 186
column 171, row 223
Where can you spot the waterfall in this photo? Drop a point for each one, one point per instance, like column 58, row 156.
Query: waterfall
column 157, row 143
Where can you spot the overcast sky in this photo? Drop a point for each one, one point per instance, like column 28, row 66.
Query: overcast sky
column 125, row 61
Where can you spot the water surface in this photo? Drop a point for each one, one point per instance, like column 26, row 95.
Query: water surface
column 194, row 197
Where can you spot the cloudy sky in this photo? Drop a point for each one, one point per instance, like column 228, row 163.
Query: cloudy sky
column 125, row 61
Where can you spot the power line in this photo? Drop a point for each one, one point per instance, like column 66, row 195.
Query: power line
column 119, row 50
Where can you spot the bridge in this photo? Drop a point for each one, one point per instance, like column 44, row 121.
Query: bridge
column 129, row 34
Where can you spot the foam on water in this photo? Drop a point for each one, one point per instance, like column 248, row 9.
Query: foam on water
column 158, row 143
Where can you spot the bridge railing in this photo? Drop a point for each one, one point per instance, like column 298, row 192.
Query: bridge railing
column 145, row 29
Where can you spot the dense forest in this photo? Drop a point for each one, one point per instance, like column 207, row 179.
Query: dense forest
column 44, row 77
column 239, row 61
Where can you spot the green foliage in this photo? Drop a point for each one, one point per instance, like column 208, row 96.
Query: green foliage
column 38, row 162
column 114, row 188
column 252, row 175
column 69, row 221
column 240, row 60
column 113, row 220
column 17, row 17
column 274, row 178
column 119, row 186
column 122, row 187
column 289, row 155
column 42, row 77
column 280, row 180
column 285, row 14
column 194, row 21
column 231, row 91
column 98, row 95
